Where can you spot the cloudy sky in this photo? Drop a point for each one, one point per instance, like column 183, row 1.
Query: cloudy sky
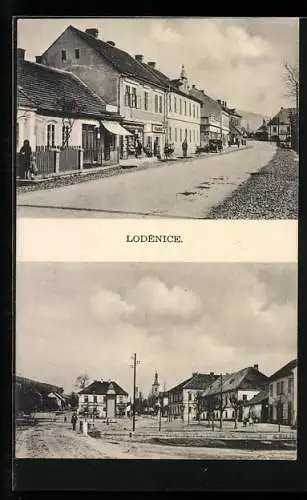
column 178, row 318
column 236, row 59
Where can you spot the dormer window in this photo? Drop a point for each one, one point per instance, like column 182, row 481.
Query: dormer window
column 63, row 52
column 77, row 53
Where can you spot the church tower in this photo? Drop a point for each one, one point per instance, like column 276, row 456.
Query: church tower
column 183, row 80
column 155, row 386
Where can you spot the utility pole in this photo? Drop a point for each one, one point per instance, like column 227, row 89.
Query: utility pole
column 221, row 402
column 135, row 362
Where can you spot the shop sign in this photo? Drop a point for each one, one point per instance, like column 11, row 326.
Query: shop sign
column 158, row 129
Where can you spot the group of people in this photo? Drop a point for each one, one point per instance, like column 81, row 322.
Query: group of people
column 26, row 161
column 83, row 424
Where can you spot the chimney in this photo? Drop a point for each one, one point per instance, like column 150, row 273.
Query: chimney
column 92, row 31
column 219, row 101
column 194, row 374
column 211, row 374
column 110, row 42
column 20, row 55
column 256, row 367
column 225, row 104
column 193, row 86
column 139, row 57
column 152, row 64
column 39, row 59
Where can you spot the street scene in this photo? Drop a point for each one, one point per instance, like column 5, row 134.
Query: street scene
column 203, row 124
column 163, row 371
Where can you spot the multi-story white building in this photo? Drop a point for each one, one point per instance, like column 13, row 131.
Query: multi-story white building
column 283, row 394
column 182, row 112
column 229, row 393
column 94, row 399
column 182, row 399
column 281, row 126
column 121, row 80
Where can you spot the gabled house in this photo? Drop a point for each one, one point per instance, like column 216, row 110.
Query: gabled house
column 257, row 408
column 211, row 117
column 120, row 79
column 101, row 398
column 230, row 389
column 182, row 399
column 283, row 394
column 33, row 395
column 281, row 128
column 261, row 134
column 56, row 110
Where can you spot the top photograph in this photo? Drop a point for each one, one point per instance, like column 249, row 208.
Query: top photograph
column 174, row 118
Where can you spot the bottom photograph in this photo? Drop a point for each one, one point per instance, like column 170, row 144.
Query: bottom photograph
column 156, row 361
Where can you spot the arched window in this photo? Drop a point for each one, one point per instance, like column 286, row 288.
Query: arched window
column 50, row 135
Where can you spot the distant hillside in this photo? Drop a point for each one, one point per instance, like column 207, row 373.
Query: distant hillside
column 251, row 121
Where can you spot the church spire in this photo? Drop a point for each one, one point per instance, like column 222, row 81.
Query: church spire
column 183, row 73
column 156, row 382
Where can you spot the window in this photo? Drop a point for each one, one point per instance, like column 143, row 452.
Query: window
column 175, row 105
column 133, row 98
column 190, row 135
column 282, row 387
column 63, row 52
column 95, row 398
column 193, row 110
column 77, row 53
column 180, row 106
column 65, row 135
column 190, row 396
column 180, row 134
column 244, row 397
column 160, row 104
column 190, row 109
column 225, row 414
column 120, row 399
column 146, row 101
column 233, row 414
column 170, row 103
column 186, row 134
column 176, row 134
column 194, row 135
column 50, row 135
column 274, row 130
column 86, row 399
column 156, row 104
column 288, row 129
column 271, row 389
column 170, row 134
column 289, row 385
column 127, row 95
column 185, row 107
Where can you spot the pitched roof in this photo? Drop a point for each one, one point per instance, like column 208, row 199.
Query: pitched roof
column 197, row 381
column 42, row 86
column 101, row 387
column 119, row 59
column 23, row 99
column 282, row 117
column 40, row 386
column 247, row 378
column 259, row 398
column 210, row 106
column 284, row 371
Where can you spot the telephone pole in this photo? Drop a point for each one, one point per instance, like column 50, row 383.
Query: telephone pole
column 135, row 362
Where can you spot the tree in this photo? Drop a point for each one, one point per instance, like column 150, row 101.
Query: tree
column 73, row 399
column 236, row 405
column 81, row 381
column 199, row 405
column 291, row 80
column 278, row 403
column 69, row 108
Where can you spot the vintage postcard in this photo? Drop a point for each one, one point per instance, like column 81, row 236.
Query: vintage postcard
column 156, row 227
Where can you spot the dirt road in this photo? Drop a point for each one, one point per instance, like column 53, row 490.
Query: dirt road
column 58, row 440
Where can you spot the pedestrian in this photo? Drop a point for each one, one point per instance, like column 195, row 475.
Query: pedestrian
column 238, row 142
column 74, row 419
column 65, row 419
column 25, row 159
column 156, row 147
column 184, row 148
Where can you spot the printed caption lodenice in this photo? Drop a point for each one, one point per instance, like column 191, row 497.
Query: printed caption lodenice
column 153, row 238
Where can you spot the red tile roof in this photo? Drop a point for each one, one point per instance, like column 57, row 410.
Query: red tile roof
column 42, row 86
